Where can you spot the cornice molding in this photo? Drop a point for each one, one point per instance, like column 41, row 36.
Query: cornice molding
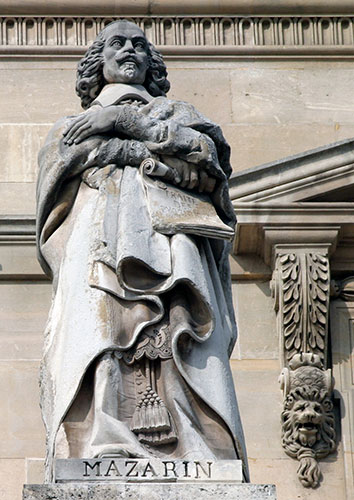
column 159, row 7
column 227, row 36
column 17, row 228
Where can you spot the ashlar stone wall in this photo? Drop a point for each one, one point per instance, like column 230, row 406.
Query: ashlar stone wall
column 272, row 96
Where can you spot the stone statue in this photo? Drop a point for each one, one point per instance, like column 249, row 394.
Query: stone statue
column 133, row 221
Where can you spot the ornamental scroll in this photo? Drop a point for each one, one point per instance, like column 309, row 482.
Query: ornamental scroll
column 301, row 287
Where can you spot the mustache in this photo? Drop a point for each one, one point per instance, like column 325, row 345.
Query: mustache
column 127, row 57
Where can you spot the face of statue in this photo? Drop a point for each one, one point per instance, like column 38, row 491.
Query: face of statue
column 125, row 55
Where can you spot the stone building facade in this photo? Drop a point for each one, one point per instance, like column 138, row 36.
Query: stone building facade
column 278, row 77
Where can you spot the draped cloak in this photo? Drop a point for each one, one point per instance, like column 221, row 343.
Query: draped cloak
column 111, row 270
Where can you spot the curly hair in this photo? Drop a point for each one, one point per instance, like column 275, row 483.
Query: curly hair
column 90, row 80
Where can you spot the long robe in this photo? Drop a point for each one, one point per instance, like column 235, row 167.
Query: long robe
column 114, row 277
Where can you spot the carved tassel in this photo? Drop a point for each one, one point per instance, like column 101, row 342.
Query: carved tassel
column 152, row 421
column 151, row 414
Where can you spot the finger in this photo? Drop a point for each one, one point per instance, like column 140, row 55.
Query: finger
column 73, row 122
column 76, row 135
column 83, row 132
column 203, row 179
column 193, row 177
column 175, row 165
column 210, row 185
column 185, row 175
column 71, row 133
column 177, row 178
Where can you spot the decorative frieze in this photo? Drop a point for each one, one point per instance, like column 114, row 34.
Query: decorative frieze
column 225, row 35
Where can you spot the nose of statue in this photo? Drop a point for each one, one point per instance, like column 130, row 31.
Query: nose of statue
column 128, row 47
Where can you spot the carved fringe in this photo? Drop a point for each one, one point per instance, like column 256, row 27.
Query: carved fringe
column 152, row 421
column 308, row 472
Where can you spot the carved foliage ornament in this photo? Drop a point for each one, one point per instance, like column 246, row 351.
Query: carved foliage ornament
column 305, row 300
column 308, row 434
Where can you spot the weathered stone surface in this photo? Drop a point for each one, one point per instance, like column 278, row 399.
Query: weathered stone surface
column 155, row 491
column 34, row 470
column 208, row 89
column 275, row 96
column 20, row 144
column 10, row 482
column 263, row 343
column 271, row 141
column 24, row 306
column 42, row 102
column 289, row 488
column 17, row 198
column 21, row 427
column 257, row 387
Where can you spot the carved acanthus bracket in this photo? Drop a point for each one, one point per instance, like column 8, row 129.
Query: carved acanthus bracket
column 301, row 289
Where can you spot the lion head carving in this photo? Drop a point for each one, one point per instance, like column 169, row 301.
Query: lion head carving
column 307, row 421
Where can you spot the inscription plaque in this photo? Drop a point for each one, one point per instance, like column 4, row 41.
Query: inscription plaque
column 133, row 470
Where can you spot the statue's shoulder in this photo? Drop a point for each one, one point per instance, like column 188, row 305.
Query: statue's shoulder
column 56, row 132
column 182, row 111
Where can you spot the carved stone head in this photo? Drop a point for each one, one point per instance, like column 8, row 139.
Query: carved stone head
column 121, row 53
column 307, row 420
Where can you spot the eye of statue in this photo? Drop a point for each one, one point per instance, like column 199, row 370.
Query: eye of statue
column 116, row 42
column 139, row 44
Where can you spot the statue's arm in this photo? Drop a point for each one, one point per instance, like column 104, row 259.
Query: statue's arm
column 96, row 151
column 189, row 152
column 167, row 137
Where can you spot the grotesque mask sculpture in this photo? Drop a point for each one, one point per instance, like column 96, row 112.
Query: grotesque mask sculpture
column 307, row 419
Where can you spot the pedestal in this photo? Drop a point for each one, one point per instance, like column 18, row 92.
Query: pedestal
column 151, row 491
column 153, row 479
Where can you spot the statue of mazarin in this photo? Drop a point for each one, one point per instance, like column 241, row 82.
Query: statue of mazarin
column 137, row 344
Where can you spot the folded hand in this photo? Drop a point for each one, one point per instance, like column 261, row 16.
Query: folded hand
column 90, row 123
column 189, row 176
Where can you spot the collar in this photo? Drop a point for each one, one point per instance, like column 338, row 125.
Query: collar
column 114, row 93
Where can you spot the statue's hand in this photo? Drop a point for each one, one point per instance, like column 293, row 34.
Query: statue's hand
column 189, row 176
column 87, row 124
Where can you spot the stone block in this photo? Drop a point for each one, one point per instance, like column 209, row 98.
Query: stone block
column 34, row 470
column 20, row 144
column 38, row 93
column 24, row 306
column 260, row 402
column 253, row 300
column 207, row 89
column 292, row 95
column 23, row 314
column 19, row 260
column 152, row 491
column 256, row 144
column 12, row 477
column 282, row 472
column 249, row 268
column 17, row 198
column 21, row 427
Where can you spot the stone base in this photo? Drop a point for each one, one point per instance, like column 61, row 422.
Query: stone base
column 151, row 491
